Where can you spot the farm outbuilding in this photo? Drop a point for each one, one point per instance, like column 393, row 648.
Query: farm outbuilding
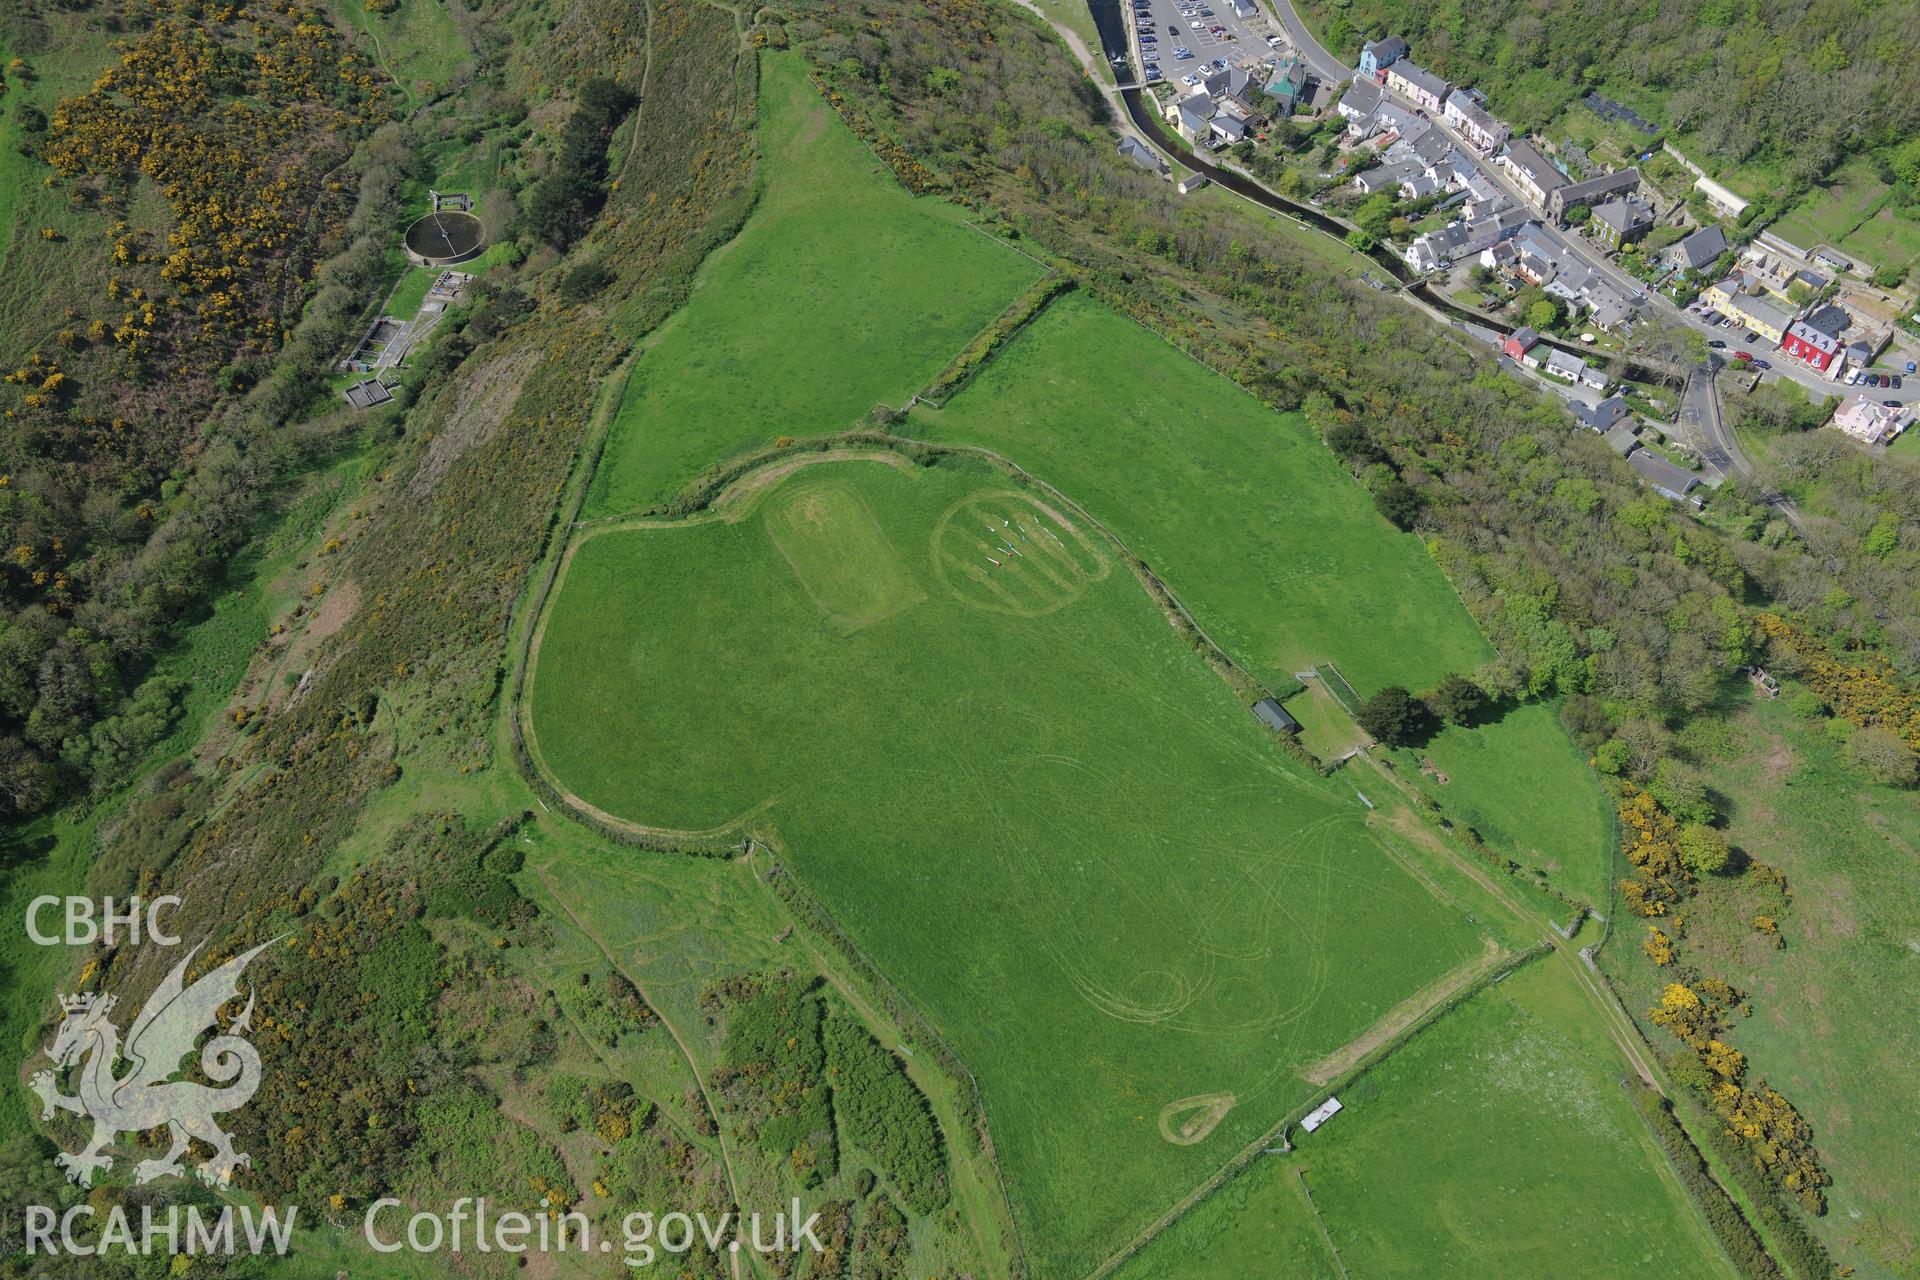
column 1320, row 1114
column 1270, row 713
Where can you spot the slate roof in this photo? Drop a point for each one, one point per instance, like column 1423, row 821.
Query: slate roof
column 1701, row 249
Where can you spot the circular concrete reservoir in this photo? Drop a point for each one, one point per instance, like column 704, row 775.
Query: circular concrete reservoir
column 444, row 238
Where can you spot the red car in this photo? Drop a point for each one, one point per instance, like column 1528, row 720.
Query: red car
column 1744, row 355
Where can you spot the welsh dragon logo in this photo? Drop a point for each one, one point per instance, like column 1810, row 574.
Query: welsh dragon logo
column 147, row 1096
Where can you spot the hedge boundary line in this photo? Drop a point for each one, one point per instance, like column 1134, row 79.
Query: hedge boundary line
column 1253, row 1150
column 799, row 898
column 1002, row 329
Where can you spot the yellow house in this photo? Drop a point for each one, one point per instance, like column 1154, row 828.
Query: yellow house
column 1729, row 298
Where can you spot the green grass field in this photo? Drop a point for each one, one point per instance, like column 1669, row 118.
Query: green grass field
column 1497, row 1143
column 841, row 290
column 1240, row 510
column 1854, row 213
column 41, row 277
column 418, row 44
column 1524, row 786
column 1832, row 1025
column 1264, row 536
column 1151, row 890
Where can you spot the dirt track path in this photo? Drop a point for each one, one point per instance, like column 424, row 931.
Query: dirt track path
column 1406, row 1013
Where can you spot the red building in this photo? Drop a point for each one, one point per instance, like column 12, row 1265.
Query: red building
column 1804, row 342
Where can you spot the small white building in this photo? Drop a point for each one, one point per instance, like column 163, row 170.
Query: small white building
column 1564, row 364
column 1192, row 183
column 1321, row 1114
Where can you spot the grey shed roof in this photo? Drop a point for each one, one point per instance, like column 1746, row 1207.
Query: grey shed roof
column 1702, row 248
column 1675, row 482
column 1143, row 155
column 1622, row 439
column 1275, row 717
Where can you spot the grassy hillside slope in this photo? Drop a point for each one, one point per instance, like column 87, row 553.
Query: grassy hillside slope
column 1152, row 892
column 842, row 290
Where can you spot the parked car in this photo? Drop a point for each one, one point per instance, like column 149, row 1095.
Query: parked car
column 1744, row 355
column 1891, row 404
column 1896, row 382
column 1762, row 364
column 1873, row 379
column 1182, row 53
column 1715, row 343
column 1912, row 368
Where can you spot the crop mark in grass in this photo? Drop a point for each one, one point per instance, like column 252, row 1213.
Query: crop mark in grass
column 844, row 561
column 1008, row 552
column 1189, row 1120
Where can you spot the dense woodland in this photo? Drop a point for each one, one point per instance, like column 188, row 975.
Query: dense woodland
column 142, row 420
column 1793, row 86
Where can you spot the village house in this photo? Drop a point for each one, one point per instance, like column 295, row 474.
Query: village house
column 1735, row 299
column 1145, row 156
column 1287, row 86
column 1664, row 477
column 1603, row 417
column 1698, row 251
column 1869, row 422
column 1228, row 128
column 1358, row 105
column 1517, row 343
column 1571, row 368
column 1536, row 178
column 1591, row 192
column 1759, row 316
column 1417, row 84
column 1805, row 343
column 1387, row 177
column 1377, row 55
column 1473, row 122
column 1830, row 319
column 1191, row 116
column 1620, row 222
